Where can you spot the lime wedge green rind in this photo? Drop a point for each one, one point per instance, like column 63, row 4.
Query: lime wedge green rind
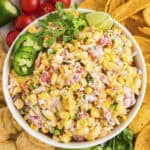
column 101, row 20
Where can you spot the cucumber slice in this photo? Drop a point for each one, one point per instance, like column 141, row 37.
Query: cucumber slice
column 8, row 12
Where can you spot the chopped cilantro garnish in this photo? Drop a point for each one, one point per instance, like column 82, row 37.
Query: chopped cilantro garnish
column 113, row 106
column 89, row 78
column 56, row 132
column 31, row 86
column 67, row 25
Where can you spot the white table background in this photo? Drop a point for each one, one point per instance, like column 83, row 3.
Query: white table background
column 4, row 30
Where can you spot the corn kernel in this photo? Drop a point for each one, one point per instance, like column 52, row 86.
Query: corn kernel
column 95, row 113
column 65, row 138
column 44, row 96
column 68, row 124
column 65, row 115
column 34, row 127
column 49, row 115
column 19, row 103
column 90, row 121
column 76, row 86
column 59, row 125
column 94, row 133
column 81, row 123
column 124, row 117
column 88, row 90
column 82, row 131
column 45, row 130
column 33, row 99
column 54, row 93
column 32, row 30
column 83, row 82
column 54, row 78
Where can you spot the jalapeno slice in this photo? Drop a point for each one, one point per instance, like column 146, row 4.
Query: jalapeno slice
column 28, row 40
column 29, row 50
column 23, row 63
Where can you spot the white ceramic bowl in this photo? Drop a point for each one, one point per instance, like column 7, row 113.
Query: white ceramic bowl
column 140, row 63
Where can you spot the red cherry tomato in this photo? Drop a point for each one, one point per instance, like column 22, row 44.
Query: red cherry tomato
column 11, row 36
column 29, row 7
column 45, row 8
column 65, row 2
column 22, row 21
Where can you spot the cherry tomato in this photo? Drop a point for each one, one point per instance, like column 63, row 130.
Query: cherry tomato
column 45, row 8
column 65, row 2
column 11, row 36
column 29, row 7
column 22, row 21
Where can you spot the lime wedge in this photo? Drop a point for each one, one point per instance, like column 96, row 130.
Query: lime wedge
column 101, row 20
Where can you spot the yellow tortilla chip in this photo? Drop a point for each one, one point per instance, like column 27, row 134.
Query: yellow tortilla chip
column 144, row 44
column 132, row 26
column 138, row 18
column 8, row 145
column 7, row 122
column 146, row 15
column 5, row 135
column 143, row 139
column 1, row 117
column 93, row 4
column 2, row 54
column 141, row 119
column 144, row 30
column 107, row 6
column 111, row 5
column 16, row 125
column 23, row 143
column 2, row 57
column 129, row 8
column 38, row 143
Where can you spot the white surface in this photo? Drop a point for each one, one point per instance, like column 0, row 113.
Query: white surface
column 4, row 30
column 140, row 63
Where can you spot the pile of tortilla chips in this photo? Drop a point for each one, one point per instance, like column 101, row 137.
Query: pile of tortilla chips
column 135, row 15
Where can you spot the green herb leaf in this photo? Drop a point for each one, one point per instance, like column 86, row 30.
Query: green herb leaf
column 51, row 41
column 113, row 106
column 31, row 86
column 56, row 132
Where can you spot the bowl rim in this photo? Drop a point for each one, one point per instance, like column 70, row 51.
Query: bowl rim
column 74, row 145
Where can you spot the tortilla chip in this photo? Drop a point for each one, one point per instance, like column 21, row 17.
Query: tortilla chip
column 107, row 6
column 111, row 5
column 146, row 15
column 2, row 57
column 23, row 143
column 5, row 135
column 143, row 139
column 38, row 143
column 8, row 145
column 132, row 26
column 98, row 5
column 142, row 118
column 2, row 54
column 138, row 18
column 7, row 122
column 16, row 125
column 144, row 30
column 129, row 8
column 1, row 117
column 144, row 44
